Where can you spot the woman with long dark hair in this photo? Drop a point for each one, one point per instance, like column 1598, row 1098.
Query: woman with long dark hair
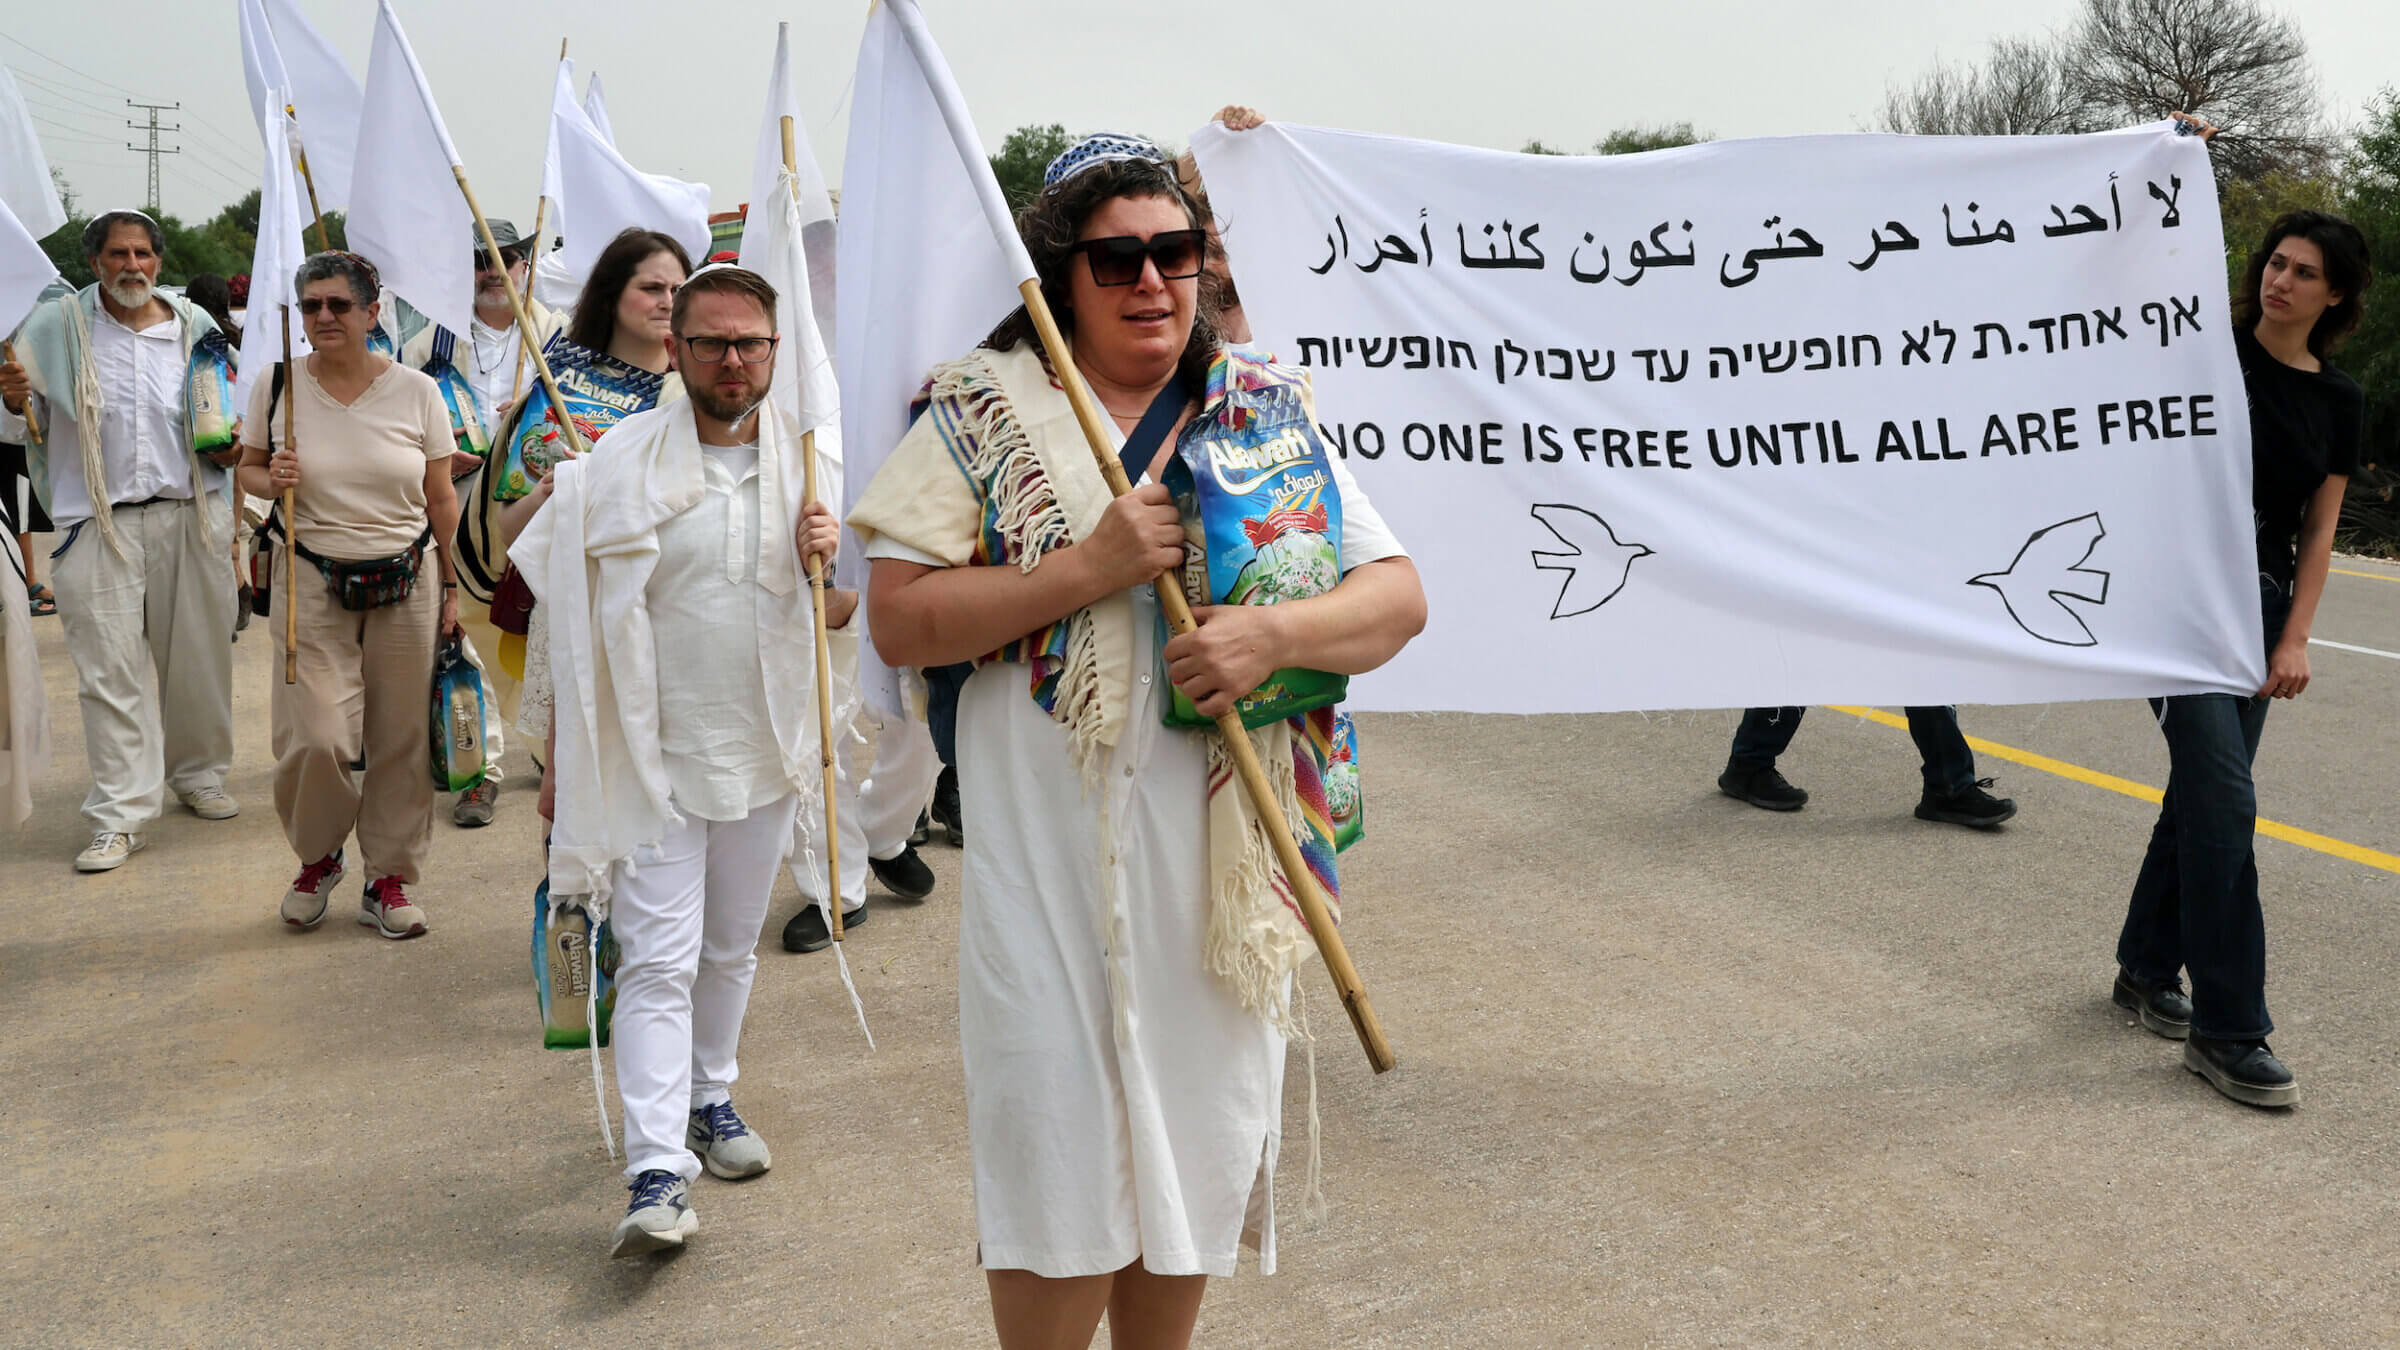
column 612, row 361
column 2195, row 903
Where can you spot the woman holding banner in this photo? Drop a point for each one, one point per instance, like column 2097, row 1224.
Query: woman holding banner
column 2195, row 903
column 1126, row 943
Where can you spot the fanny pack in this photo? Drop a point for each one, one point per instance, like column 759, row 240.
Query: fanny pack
column 373, row 582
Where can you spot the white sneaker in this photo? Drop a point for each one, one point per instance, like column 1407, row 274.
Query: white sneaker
column 304, row 903
column 211, row 803
column 108, row 852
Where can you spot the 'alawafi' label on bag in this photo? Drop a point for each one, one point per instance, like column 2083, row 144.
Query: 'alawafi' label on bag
column 1262, row 524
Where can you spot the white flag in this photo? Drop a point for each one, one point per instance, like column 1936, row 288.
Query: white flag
column 928, row 261
column 24, row 271
column 601, row 195
column 326, row 97
column 789, row 240
column 406, row 214
column 563, row 85
column 262, row 68
column 25, row 184
column 278, row 254
column 595, row 106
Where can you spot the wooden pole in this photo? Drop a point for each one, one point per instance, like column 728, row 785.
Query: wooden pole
column 816, row 602
column 516, row 305
column 316, row 213
column 533, row 253
column 291, row 526
column 1237, row 738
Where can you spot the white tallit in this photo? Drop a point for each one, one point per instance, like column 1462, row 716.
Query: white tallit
column 589, row 554
column 24, row 710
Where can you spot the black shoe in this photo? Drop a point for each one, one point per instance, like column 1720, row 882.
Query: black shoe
column 807, row 933
column 945, row 807
column 1762, row 788
column 2246, row 1071
column 2163, row 1007
column 1970, row 806
column 906, row 876
column 923, row 834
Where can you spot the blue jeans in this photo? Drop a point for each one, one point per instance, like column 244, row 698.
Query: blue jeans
column 942, row 684
column 2195, row 904
column 1949, row 766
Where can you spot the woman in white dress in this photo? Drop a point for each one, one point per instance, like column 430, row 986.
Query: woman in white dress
column 1125, row 949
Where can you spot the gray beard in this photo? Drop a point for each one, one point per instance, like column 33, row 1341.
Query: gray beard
column 129, row 297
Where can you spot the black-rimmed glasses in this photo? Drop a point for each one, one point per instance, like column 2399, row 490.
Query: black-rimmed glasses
column 338, row 304
column 1117, row 259
column 709, row 351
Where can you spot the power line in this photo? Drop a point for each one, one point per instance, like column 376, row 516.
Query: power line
column 70, row 133
column 60, row 89
column 118, row 88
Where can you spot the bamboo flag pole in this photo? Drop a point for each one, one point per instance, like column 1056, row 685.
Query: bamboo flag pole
column 533, row 251
column 1229, row 725
column 291, row 527
column 516, row 305
column 315, row 212
column 816, row 602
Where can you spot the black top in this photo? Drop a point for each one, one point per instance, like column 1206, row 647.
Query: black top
column 2304, row 426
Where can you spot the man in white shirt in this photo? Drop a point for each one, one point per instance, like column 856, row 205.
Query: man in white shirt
column 143, row 567
column 497, row 370
column 675, row 566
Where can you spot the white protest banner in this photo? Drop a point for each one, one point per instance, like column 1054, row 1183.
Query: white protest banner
column 1861, row 419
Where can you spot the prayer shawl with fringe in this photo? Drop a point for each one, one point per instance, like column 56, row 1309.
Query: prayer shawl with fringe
column 55, row 348
column 589, row 556
column 997, row 473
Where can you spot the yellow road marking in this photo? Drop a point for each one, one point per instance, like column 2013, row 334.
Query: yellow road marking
column 2371, row 576
column 2273, row 829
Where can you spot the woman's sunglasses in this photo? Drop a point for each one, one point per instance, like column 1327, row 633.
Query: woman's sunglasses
column 339, row 304
column 1117, row 259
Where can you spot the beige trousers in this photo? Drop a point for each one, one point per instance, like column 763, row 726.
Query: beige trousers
column 365, row 690
column 166, row 604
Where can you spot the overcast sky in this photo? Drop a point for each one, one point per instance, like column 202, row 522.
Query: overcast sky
column 686, row 100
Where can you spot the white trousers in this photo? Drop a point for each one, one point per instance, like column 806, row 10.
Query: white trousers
column 168, row 604
column 686, row 915
column 876, row 817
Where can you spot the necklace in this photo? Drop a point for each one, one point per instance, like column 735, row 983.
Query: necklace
column 505, row 339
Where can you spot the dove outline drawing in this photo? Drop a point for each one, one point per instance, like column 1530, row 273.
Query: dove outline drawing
column 2049, row 571
column 1596, row 562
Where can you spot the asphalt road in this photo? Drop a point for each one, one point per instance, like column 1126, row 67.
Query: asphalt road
column 1674, row 1071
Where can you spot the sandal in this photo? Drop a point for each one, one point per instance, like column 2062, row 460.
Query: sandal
column 44, row 603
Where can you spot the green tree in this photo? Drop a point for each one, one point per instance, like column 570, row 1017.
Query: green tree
column 2370, row 197
column 1635, row 139
column 1536, row 146
column 1022, row 158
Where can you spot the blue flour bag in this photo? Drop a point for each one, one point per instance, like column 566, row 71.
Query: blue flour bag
column 465, row 743
column 1262, row 521
column 571, row 972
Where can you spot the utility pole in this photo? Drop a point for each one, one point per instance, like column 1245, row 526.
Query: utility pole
column 154, row 149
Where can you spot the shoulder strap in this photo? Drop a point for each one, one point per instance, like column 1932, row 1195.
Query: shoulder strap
column 1142, row 446
column 274, row 396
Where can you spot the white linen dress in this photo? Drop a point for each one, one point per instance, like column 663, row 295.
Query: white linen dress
column 1099, row 1139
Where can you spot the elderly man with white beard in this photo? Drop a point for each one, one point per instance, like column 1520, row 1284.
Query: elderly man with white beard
column 674, row 565
column 143, row 564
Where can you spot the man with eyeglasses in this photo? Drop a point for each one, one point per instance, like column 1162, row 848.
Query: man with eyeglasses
column 142, row 570
column 493, row 363
column 675, row 568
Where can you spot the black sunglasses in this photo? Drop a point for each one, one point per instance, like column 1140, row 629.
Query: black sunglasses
column 508, row 256
column 339, row 304
column 1117, row 259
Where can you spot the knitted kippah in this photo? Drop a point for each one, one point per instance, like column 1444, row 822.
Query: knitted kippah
column 1099, row 148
